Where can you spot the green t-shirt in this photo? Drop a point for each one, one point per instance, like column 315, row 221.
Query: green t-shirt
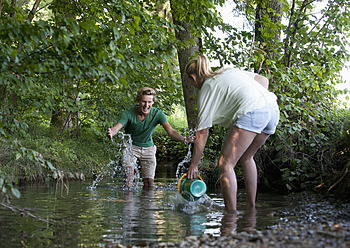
column 141, row 131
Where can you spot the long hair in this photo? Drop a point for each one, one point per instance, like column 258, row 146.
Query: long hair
column 146, row 91
column 200, row 67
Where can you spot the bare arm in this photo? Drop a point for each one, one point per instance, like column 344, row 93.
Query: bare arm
column 262, row 80
column 174, row 134
column 201, row 140
column 114, row 130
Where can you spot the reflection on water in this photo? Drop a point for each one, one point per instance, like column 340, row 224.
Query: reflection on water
column 231, row 221
column 111, row 214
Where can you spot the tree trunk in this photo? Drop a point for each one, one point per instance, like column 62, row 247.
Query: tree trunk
column 30, row 19
column 268, row 32
column 189, row 91
column 13, row 6
column 33, row 11
column 275, row 16
column 1, row 3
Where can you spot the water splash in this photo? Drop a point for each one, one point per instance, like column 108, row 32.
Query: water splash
column 115, row 167
column 182, row 166
column 177, row 202
column 204, row 204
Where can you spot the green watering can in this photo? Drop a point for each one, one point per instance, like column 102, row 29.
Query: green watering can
column 191, row 189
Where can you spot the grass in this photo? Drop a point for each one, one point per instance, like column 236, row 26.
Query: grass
column 70, row 156
column 21, row 157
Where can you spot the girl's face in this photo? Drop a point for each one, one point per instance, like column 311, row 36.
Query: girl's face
column 145, row 104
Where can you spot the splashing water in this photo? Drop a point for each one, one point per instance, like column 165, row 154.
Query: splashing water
column 115, row 167
column 125, row 154
column 182, row 168
column 204, row 204
column 177, row 202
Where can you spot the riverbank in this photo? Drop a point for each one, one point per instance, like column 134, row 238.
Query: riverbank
column 306, row 235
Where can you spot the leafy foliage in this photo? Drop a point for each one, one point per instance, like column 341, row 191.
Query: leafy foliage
column 167, row 148
column 86, row 64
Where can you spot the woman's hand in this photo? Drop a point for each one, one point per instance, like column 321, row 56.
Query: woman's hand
column 192, row 172
column 201, row 139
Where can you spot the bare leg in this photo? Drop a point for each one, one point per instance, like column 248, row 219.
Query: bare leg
column 250, row 173
column 129, row 177
column 148, row 183
column 236, row 143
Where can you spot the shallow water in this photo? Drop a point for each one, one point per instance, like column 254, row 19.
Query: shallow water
column 80, row 216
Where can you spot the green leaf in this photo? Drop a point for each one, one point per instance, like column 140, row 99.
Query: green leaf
column 51, row 167
column 16, row 192
column 18, row 155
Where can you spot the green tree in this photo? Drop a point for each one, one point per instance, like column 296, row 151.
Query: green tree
column 99, row 53
column 192, row 18
column 188, row 50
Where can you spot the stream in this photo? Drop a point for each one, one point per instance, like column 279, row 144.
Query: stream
column 75, row 215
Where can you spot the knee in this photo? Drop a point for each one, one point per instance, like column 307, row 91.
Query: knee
column 226, row 163
column 246, row 159
column 225, row 168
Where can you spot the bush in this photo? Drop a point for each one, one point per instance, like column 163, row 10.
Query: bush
column 167, row 148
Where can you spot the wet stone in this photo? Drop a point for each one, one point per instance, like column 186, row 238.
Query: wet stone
column 301, row 235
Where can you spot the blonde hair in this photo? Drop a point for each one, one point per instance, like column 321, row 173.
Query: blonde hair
column 200, row 68
column 146, row 91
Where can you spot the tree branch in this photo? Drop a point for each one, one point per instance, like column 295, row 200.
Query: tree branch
column 33, row 11
column 346, row 171
column 27, row 212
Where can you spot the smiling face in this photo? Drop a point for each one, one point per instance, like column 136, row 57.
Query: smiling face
column 145, row 104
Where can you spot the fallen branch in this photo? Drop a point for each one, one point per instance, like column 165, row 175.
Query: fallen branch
column 22, row 212
column 27, row 212
column 341, row 178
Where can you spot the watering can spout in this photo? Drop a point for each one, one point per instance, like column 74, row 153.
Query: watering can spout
column 191, row 189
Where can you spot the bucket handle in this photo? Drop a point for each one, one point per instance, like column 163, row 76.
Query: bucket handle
column 178, row 184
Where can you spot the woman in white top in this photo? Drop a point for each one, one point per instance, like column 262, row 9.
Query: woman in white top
column 238, row 100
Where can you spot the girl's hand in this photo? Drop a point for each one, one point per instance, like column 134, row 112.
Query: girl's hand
column 192, row 172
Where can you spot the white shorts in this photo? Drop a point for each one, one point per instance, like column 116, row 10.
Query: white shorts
column 263, row 120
